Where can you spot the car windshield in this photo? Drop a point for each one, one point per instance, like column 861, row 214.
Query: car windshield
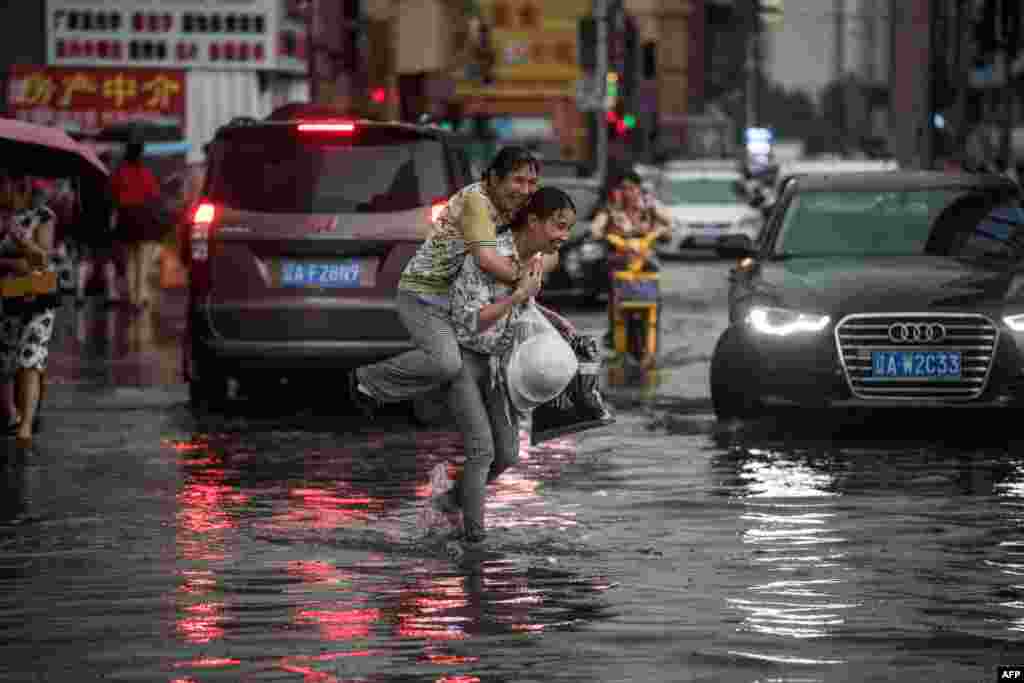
column 280, row 171
column 971, row 225
column 698, row 191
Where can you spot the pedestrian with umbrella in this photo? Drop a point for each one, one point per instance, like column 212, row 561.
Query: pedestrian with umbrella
column 27, row 249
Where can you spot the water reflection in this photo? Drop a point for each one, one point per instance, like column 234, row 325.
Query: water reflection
column 788, row 514
column 13, row 483
column 874, row 542
column 117, row 346
column 315, row 536
column 1011, row 562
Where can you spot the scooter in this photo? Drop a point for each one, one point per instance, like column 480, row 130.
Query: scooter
column 636, row 301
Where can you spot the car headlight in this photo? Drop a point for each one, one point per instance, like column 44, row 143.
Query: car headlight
column 1015, row 322
column 782, row 322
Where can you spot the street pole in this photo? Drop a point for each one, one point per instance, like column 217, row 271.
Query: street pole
column 601, row 74
column 753, row 93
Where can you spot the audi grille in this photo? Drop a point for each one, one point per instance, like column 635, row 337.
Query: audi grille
column 974, row 336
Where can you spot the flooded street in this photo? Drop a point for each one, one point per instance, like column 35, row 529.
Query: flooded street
column 141, row 543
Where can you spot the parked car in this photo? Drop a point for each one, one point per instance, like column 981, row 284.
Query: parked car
column 706, row 206
column 298, row 243
column 885, row 289
column 582, row 270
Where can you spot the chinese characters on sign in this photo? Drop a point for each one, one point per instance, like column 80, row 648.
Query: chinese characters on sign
column 187, row 34
column 87, row 100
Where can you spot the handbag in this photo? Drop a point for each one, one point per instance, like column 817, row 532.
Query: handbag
column 28, row 294
column 580, row 406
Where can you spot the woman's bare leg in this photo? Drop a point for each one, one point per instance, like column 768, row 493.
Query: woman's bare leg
column 28, row 388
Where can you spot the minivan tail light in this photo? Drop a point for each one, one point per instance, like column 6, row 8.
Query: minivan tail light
column 344, row 127
column 204, row 213
column 436, row 209
column 202, row 221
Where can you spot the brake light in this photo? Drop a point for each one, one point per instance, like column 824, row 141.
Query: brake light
column 204, row 213
column 344, row 127
column 202, row 220
column 436, row 209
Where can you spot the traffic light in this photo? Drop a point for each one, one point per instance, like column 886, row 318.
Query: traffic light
column 620, row 125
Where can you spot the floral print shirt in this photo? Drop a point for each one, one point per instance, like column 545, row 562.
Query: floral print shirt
column 22, row 225
column 469, row 217
column 472, row 290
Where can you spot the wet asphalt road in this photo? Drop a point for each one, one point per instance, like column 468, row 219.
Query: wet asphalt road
column 281, row 540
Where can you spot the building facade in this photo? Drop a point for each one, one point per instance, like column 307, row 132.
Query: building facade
column 185, row 67
column 509, row 69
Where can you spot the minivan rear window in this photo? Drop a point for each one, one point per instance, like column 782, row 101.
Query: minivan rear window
column 370, row 171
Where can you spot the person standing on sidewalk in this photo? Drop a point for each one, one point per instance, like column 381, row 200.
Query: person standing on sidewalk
column 93, row 240
column 136, row 191
column 467, row 226
column 26, row 326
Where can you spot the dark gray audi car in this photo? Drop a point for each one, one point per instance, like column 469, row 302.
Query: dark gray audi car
column 880, row 289
column 297, row 245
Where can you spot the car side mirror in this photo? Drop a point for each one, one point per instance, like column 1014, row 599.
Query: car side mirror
column 735, row 246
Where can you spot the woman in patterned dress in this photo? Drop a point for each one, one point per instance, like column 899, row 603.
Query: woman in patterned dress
column 26, row 325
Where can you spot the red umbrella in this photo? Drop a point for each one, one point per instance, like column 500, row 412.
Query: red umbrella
column 45, row 151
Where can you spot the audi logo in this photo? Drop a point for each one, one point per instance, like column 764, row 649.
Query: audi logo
column 916, row 333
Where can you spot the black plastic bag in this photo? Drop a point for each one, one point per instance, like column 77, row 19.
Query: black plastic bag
column 580, row 406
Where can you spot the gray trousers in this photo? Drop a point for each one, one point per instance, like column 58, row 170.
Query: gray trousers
column 490, row 441
column 436, row 360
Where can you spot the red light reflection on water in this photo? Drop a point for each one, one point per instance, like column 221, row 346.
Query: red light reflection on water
column 438, row 658
column 200, row 617
column 422, row 615
column 208, row 663
column 314, row 508
column 318, row 572
column 340, row 624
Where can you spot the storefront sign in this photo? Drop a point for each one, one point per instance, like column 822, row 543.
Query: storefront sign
column 87, row 99
column 183, row 34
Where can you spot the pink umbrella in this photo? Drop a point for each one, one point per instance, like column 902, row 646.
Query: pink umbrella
column 46, row 152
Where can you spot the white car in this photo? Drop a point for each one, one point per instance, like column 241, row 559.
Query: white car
column 705, row 207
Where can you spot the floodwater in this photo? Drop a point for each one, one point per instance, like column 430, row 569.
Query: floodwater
column 141, row 543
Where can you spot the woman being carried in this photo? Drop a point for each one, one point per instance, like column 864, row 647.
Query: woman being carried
column 503, row 377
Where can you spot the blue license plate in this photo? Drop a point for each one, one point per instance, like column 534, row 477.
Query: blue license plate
column 344, row 274
column 914, row 364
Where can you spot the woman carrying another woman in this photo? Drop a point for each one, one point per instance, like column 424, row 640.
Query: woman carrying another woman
column 503, row 377
column 26, row 324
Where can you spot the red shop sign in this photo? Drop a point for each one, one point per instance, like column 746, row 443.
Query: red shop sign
column 88, row 99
